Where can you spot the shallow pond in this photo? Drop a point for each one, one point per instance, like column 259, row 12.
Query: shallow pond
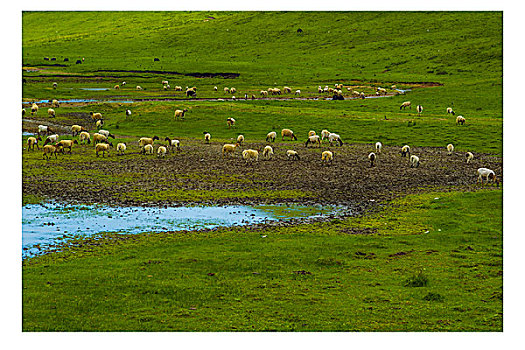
column 47, row 223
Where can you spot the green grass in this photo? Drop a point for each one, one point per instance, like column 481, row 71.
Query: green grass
column 302, row 278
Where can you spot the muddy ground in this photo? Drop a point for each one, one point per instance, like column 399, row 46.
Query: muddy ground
column 348, row 180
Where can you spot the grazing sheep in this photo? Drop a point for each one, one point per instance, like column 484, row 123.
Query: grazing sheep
column 488, row 174
column 270, row 137
column 128, row 113
column 313, row 139
column 460, row 120
column 311, row 133
column 450, row 111
column 288, row 133
column 99, row 123
column 379, row 145
column 179, row 113
column 143, row 141
column 32, row 142
column 51, row 139
column 172, row 143
column 229, row 148
column 320, row 89
column 99, row 138
column 123, row 83
column 381, row 91
column 324, row 134
column 230, row 121
column 297, row 92
column 214, row 88
column 405, row 105
column 240, row 139
column 34, row 108
column 67, row 144
column 44, row 129
column 177, row 88
column 419, row 109
column 147, row 149
column 106, row 133
column 55, row 104
column 469, row 157
column 161, row 151
column 291, row 154
column 191, row 92
column 249, row 155
column 51, row 112
column 23, row 111
column 233, row 90
column 138, row 87
column 116, row 87
column 207, row 137
column 84, row 136
column 76, row 129
column 393, row 87
column 334, row 137
column 414, row 161
column 166, row 87
column 55, row 85
column 287, row 90
column 372, row 157
column 362, row 95
column 164, row 82
column 227, row 90
column 234, row 98
column 327, row 156
column 121, row 148
column 405, row 150
column 450, row 149
column 264, row 93
column 95, row 116
column 50, row 149
column 103, row 147
column 268, row 152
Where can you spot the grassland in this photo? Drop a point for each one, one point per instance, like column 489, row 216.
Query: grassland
column 415, row 265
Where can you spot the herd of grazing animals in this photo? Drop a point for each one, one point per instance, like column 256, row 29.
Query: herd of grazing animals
column 52, row 146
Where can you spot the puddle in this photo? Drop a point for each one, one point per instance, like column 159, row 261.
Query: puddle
column 80, row 100
column 95, row 89
column 26, row 133
column 45, row 224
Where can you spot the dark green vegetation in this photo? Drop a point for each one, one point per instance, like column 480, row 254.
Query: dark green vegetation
column 418, row 266
column 379, row 272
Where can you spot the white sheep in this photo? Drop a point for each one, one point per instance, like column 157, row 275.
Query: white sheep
column 44, row 129
column 264, row 93
column 116, row 87
column 450, row 149
column 179, row 113
column 55, row 104
column 460, row 120
column 32, row 142
column 327, row 156
column 229, row 149
column 249, row 155
column 324, row 134
column 102, row 147
column 138, row 87
column 379, row 145
column 161, row 151
column 147, row 149
column 233, row 90
column 99, row 138
column 287, row 90
column 230, row 121
column 207, row 137
column 99, row 123
column 23, row 111
column 311, row 133
column 128, row 113
column 177, row 88
column 268, row 152
column 414, row 161
column 469, row 157
column 314, row 139
column 405, row 105
column 332, row 137
column 240, row 139
column 488, row 174
column 291, row 154
column 51, row 112
column 320, row 89
column 270, row 137
column 214, row 88
column 297, row 92
column 106, row 133
column 143, row 141
column 164, row 82
column 123, row 83
column 77, row 129
column 95, row 116
column 121, row 148
column 51, row 139
column 84, row 136
column 288, row 133
column 227, row 90
column 450, row 111
column 372, row 157
column 419, row 109
column 172, row 143
column 55, row 85
column 405, row 150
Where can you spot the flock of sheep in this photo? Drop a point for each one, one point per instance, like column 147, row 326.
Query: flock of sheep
column 52, row 146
